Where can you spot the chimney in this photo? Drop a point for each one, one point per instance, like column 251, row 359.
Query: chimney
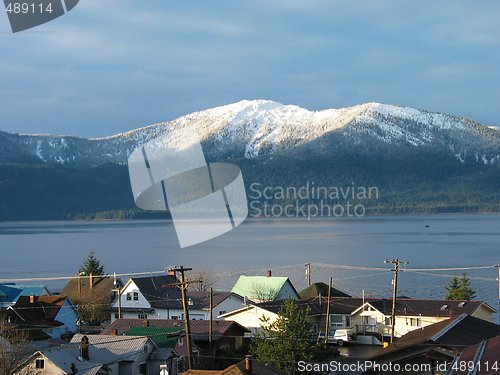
column 84, row 348
column 32, row 298
column 269, row 273
column 91, row 281
column 145, row 323
column 248, row 364
column 171, row 272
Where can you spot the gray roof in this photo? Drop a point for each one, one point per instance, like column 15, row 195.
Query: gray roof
column 428, row 307
column 108, row 349
column 63, row 359
column 103, row 350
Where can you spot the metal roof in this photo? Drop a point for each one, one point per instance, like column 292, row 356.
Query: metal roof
column 249, row 286
column 163, row 337
column 108, row 349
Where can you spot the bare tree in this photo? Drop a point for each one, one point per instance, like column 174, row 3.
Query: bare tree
column 91, row 305
column 264, row 293
column 15, row 346
column 202, row 280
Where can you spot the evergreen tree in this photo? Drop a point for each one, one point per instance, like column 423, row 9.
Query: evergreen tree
column 460, row 289
column 92, row 265
column 290, row 338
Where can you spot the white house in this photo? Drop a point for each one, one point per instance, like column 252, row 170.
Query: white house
column 411, row 314
column 159, row 297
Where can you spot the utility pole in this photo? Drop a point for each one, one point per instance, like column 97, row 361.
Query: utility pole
column 118, row 289
column 308, row 273
column 183, row 285
column 327, row 327
column 396, row 262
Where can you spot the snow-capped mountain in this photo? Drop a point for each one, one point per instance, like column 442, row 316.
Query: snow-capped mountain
column 261, row 127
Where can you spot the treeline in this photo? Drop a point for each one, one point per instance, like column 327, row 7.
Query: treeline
column 408, row 182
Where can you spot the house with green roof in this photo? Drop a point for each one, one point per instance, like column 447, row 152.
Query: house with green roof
column 265, row 288
column 163, row 337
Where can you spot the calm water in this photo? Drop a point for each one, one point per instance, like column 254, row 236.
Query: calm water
column 48, row 249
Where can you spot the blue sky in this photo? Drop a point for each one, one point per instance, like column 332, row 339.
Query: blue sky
column 114, row 65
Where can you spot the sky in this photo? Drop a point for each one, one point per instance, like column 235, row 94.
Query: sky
column 109, row 66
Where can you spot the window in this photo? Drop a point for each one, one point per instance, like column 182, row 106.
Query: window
column 143, row 368
column 336, row 320
column 222, row 312
column 40, row 363
column 142, row 316
column 388, row 321
column 129, row 296
column 347, row 321
column 136, row 296
column 175, row 317
column 415, row 322
column 118, row 317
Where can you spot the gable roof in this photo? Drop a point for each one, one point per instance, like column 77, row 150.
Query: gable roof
column 104, row 284
column 10, row 292
column 41, row 313
column 162, row 292
column 428, row 307
column 485, row 354
column 63, row 359
column 107, row 349
column 320, row 289
column 455, row 332
column 316, row 306
column 199, row 328
column 248, row 286
column 103, row 350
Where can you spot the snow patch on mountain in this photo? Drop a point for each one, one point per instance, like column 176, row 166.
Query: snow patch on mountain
column 250, row 128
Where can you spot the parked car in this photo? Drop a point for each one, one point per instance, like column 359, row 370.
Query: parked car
column 339, row 336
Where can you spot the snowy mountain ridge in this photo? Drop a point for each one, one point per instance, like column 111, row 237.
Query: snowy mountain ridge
column 252, row 128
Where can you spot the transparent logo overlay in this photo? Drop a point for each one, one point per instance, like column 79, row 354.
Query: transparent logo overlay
column 204, row 200
column 26, row 14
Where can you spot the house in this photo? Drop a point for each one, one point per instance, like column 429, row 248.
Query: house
column 341, row 308
column 55, row 316
column 265, row 288
column 320, row 290
column 246, row 367
column 159, row 297
column 375, row 314
column 99, row 355
column 227, row 336
column 434, row 344
column 98, row 290
column 484, row 355
column 10, row 293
